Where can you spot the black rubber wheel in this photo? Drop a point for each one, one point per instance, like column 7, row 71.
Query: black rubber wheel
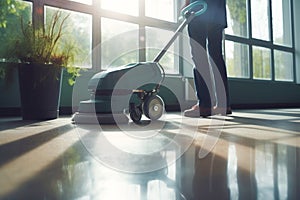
column 153, row 107
column 135, row 114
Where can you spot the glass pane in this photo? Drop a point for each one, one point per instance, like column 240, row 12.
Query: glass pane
column 282, row 31
column 119, row 44
column 237, row 59
column 130, row 7
column 237, row 18
column 156, row 39
column 260, row 19
column 88, row 2
column 261, row 63
column 77, row 31
column 161, row 9
column 283, row 62
column 12, row 26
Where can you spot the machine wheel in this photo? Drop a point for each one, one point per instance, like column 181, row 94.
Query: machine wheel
column 135, row 114
column 153, row 107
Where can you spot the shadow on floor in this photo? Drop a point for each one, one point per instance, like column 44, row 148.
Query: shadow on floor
column 12, row 150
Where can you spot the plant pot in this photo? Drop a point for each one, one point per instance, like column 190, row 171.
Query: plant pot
column 40, row 87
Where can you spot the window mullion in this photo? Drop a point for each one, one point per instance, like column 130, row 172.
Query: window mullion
column 271, row 40
column 38, row 14
column 250, row 38
column 142, row 32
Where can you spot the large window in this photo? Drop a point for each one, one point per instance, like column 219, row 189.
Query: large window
column 108, row 33
column 259, row 40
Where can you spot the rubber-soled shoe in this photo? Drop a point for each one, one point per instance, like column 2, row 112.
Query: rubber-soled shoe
column 197, row 111
column 192, row 112
column 222, row 111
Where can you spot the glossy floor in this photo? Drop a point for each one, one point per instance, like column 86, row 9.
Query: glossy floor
column 253, row 154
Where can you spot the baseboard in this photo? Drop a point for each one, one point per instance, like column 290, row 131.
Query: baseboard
column 265, row 106
column 16, row 111
column 10, row 112
column 66, row 110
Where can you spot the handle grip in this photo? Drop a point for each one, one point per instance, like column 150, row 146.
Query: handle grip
column 194, row 6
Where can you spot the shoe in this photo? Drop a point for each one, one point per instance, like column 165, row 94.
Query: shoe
column 228, row 111
column 192, row 112
column 197, row 111
column 222, row 111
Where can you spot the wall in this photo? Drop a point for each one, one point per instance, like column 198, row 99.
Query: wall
column 244, row 93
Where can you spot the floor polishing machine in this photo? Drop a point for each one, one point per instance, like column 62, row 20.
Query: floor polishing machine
column 131, row 89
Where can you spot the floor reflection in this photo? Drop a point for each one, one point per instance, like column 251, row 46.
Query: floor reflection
column 56, row 164
column 264, row 171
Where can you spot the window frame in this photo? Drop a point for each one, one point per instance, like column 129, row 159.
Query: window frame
column 143, row 21
column 97, row 13
column 250, row 41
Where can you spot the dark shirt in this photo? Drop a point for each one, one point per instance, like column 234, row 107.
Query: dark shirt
column 215, row 13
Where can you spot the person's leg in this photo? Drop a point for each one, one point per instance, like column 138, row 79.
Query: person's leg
column 202, row 75
column 215, row 38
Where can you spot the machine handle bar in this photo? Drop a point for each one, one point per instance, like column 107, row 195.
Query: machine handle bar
column 194, row 6
column 188, row 13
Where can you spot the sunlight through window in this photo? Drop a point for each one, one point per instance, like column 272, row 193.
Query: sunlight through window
column 129, row 7
column 88, row 2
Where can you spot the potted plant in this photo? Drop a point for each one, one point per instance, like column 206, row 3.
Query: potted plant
column 41, row 59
